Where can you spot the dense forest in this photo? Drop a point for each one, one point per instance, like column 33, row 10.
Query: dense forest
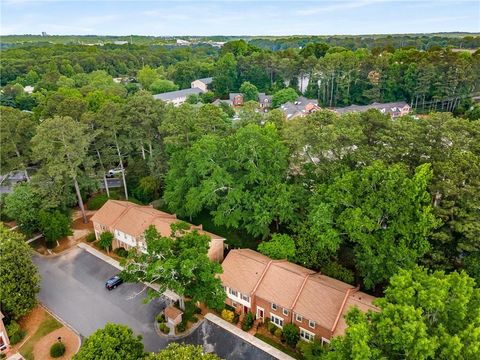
column 437, row 79
column 357, row 196
column 352, row 42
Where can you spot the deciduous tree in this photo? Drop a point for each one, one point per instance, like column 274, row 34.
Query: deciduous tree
column 18, row 275
column 61, row 145
column 113, row 342
column 178, row 263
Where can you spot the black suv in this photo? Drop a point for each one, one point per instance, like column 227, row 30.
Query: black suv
column 113, row 282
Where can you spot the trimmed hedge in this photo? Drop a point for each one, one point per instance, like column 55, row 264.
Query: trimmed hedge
column 121, row 252
column 15, row 333
column 91, row 237
column 160, row 318
column 181, row 327
column 163, row 328
column 57, row 350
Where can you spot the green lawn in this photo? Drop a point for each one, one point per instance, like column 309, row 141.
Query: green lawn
column 48, row 325
column 280, row 347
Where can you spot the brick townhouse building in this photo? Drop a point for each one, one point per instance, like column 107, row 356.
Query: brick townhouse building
column 288, row 293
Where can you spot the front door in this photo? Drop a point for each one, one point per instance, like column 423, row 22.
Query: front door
column 245, row 309
column 259, row 313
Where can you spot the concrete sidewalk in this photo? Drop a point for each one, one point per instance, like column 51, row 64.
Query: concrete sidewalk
column 247, row 337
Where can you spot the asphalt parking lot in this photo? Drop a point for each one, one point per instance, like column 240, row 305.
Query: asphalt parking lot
column 73, row 287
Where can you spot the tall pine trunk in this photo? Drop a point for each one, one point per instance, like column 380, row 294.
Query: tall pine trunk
column 80, row 201
column 121, row 167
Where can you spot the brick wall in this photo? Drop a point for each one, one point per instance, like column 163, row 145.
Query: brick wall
column 319, row 331
column 267, row 308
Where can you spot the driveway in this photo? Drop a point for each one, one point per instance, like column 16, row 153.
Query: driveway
column 73, row 287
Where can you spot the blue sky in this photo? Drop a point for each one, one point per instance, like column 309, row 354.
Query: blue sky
column 237, row 17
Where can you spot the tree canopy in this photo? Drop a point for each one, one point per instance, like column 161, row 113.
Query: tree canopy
column 18, row 275
column 178, row 263
column 114, row 342
column 422, row 316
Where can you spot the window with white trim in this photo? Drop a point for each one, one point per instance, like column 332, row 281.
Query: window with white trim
column 233, row 292
column 276, row 320
column 274, row 306
column 285, row 311
column 325, row 341
column 306, row 335
column 245, row 298
column 311, row 323
column 299, row 318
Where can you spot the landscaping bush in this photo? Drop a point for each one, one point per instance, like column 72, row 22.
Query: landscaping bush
column 97, row 201
column 291, row 334
column 248, row 321
column 15, row 333
column 278, row 332
column 228, row 315
column 272, row 327
column 163, row 328
column 121, row 252
column 181, row 327
column 57, row 350
column 160, row 318
column 105, row 241
column 194, row 319
column 91, row 237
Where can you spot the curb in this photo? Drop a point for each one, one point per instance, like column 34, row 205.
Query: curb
column 177, row 337
column 269, row 349
column 55, row 254
column 80, row 338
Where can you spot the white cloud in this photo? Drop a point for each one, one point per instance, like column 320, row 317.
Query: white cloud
column 338, row 6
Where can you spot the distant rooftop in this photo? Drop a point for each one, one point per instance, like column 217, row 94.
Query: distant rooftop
column 172, row 95
column 206, row 81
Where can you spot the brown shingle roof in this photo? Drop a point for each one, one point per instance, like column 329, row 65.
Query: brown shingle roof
column 134, row 219
column 314, row 296
column 172, row 312
column 362, row 301
column 282, row 282
column 321, row 299
column 242, row 269
column 110, row 212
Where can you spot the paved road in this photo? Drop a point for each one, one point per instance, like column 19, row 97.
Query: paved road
column 73, row 287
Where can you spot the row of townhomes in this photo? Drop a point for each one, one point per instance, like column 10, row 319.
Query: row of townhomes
column 275, row 289
column 301, row 107
column 394, row 109
column 288, row 293
column 128, row 221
